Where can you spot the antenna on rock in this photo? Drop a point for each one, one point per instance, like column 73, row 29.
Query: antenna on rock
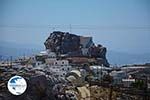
column 70, row 28
column 53, row 28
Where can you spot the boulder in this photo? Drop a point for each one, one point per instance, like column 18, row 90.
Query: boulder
column 38, row 88
column 61, row 42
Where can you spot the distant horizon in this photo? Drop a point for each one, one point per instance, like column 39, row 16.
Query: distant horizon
column 42, row 46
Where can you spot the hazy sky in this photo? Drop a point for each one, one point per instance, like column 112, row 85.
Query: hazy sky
column 120, row 25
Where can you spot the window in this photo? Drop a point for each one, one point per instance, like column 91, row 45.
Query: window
column 63, row 69
column 56, row 63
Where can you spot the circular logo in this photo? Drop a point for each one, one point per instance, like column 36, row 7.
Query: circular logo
column 17, row 85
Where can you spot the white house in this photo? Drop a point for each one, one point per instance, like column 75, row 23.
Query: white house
column 118, row 76
column 86, row 42
column 99, row 71
column 60, row 68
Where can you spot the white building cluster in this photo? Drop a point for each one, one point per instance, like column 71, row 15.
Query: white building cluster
column 58, row 68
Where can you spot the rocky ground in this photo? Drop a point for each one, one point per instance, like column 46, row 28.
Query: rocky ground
column 40, row 87
column 47, row 87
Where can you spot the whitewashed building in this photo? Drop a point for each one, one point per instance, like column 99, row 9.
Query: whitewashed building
column 118, row 76
column 86, row 42
column 99, row 71
column 60, row 68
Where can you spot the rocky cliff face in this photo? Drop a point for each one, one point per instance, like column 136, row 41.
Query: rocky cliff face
column 74, row 45
column 63, row 43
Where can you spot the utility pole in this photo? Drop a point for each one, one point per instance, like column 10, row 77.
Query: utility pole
column 101, row 73
column 10, row 61
column 24, row 56
column 7, row 61
column 111, row 91
column 145, row 88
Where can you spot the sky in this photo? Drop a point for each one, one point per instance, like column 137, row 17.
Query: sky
column 119, row 25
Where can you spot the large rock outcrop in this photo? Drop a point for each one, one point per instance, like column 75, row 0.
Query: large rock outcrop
column 74, row 45
column 63, row 43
